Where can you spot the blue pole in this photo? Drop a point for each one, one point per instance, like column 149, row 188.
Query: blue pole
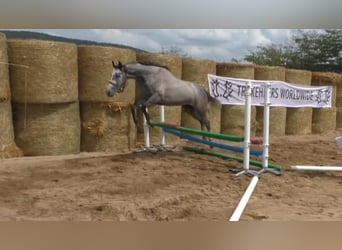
column 210, row 143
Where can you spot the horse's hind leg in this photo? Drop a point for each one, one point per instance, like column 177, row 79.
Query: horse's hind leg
column 205, row 123
column 202, row 118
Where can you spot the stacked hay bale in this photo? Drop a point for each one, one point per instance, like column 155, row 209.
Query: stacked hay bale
column 172, row 113
column 8, row 148
column 45, row 97
column 197, row 70
column 338, row 84
column 107, row 124
column 298, row 120
column 324, row 119
column 277, row 114
column 233, row 117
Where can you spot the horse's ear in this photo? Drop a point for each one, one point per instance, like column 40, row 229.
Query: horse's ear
column 120, row 65
column 113, row 64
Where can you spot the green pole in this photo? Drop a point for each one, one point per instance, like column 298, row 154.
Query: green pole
column 199, row 132
column 225, row 156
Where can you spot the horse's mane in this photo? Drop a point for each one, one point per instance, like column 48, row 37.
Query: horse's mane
column 148, row 63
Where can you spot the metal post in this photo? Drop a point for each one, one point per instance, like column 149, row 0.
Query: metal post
column 266, row 126
column 317, row 168
column 146, row 132
column 247, row 133
column 266, row 131
column 162, row 119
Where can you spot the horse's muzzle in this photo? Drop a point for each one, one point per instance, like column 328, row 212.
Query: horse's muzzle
column 110, row 93
column 110, row 89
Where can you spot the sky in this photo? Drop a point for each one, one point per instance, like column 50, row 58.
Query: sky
column 214, row 44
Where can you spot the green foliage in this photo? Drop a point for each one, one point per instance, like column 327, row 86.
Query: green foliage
column 271, row 55
column 317, row 50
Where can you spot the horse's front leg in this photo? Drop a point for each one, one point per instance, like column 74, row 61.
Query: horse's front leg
column 134, row 114
column 153, row 99
column 146, row 114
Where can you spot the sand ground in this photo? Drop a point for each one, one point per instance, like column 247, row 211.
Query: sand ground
column 172, row 186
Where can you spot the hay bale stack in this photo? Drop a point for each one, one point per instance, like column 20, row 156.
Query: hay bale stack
column 8, row 148
column 95, row 69
column 338, row 117
column 298, row 120
column 197, row 70
column 105, row 120
column 107, row 127
column 338, row 82
column 232, row 117
column 5, row 92
column 172, row 113
column 52, row 75
column 46, row 114
column 7, row 131
column 277, row 114
column 6, row 126
column 324, row 119
column 47, row 129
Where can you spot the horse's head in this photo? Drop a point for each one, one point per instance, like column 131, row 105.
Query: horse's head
column 118, row 80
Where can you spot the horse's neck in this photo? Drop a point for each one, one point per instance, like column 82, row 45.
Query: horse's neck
column 138, row 70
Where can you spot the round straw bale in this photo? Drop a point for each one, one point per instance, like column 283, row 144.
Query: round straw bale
column 326, row 79
column 173, row 62
column 172, row 113
column 107, row 127
column 6, row 125
column 269, row 73
column 95, row 69
column 52, row 74
column 197, row 70
column 277, row 114
column 298, row 76
column 298, row 120
column 323, row 120
column 5, row 92
column 47, row 129
column 232, row 117
column 234, row 120
column 277, row 123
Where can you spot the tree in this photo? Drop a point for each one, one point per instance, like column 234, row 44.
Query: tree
column 317, row 50
column 272, row 55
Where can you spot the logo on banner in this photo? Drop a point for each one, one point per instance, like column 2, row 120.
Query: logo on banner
column 323, row 96
column 227, row 89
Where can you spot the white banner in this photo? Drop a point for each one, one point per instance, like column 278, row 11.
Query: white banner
column 232, row 91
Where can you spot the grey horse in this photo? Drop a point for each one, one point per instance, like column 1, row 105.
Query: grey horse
column 156, row 85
